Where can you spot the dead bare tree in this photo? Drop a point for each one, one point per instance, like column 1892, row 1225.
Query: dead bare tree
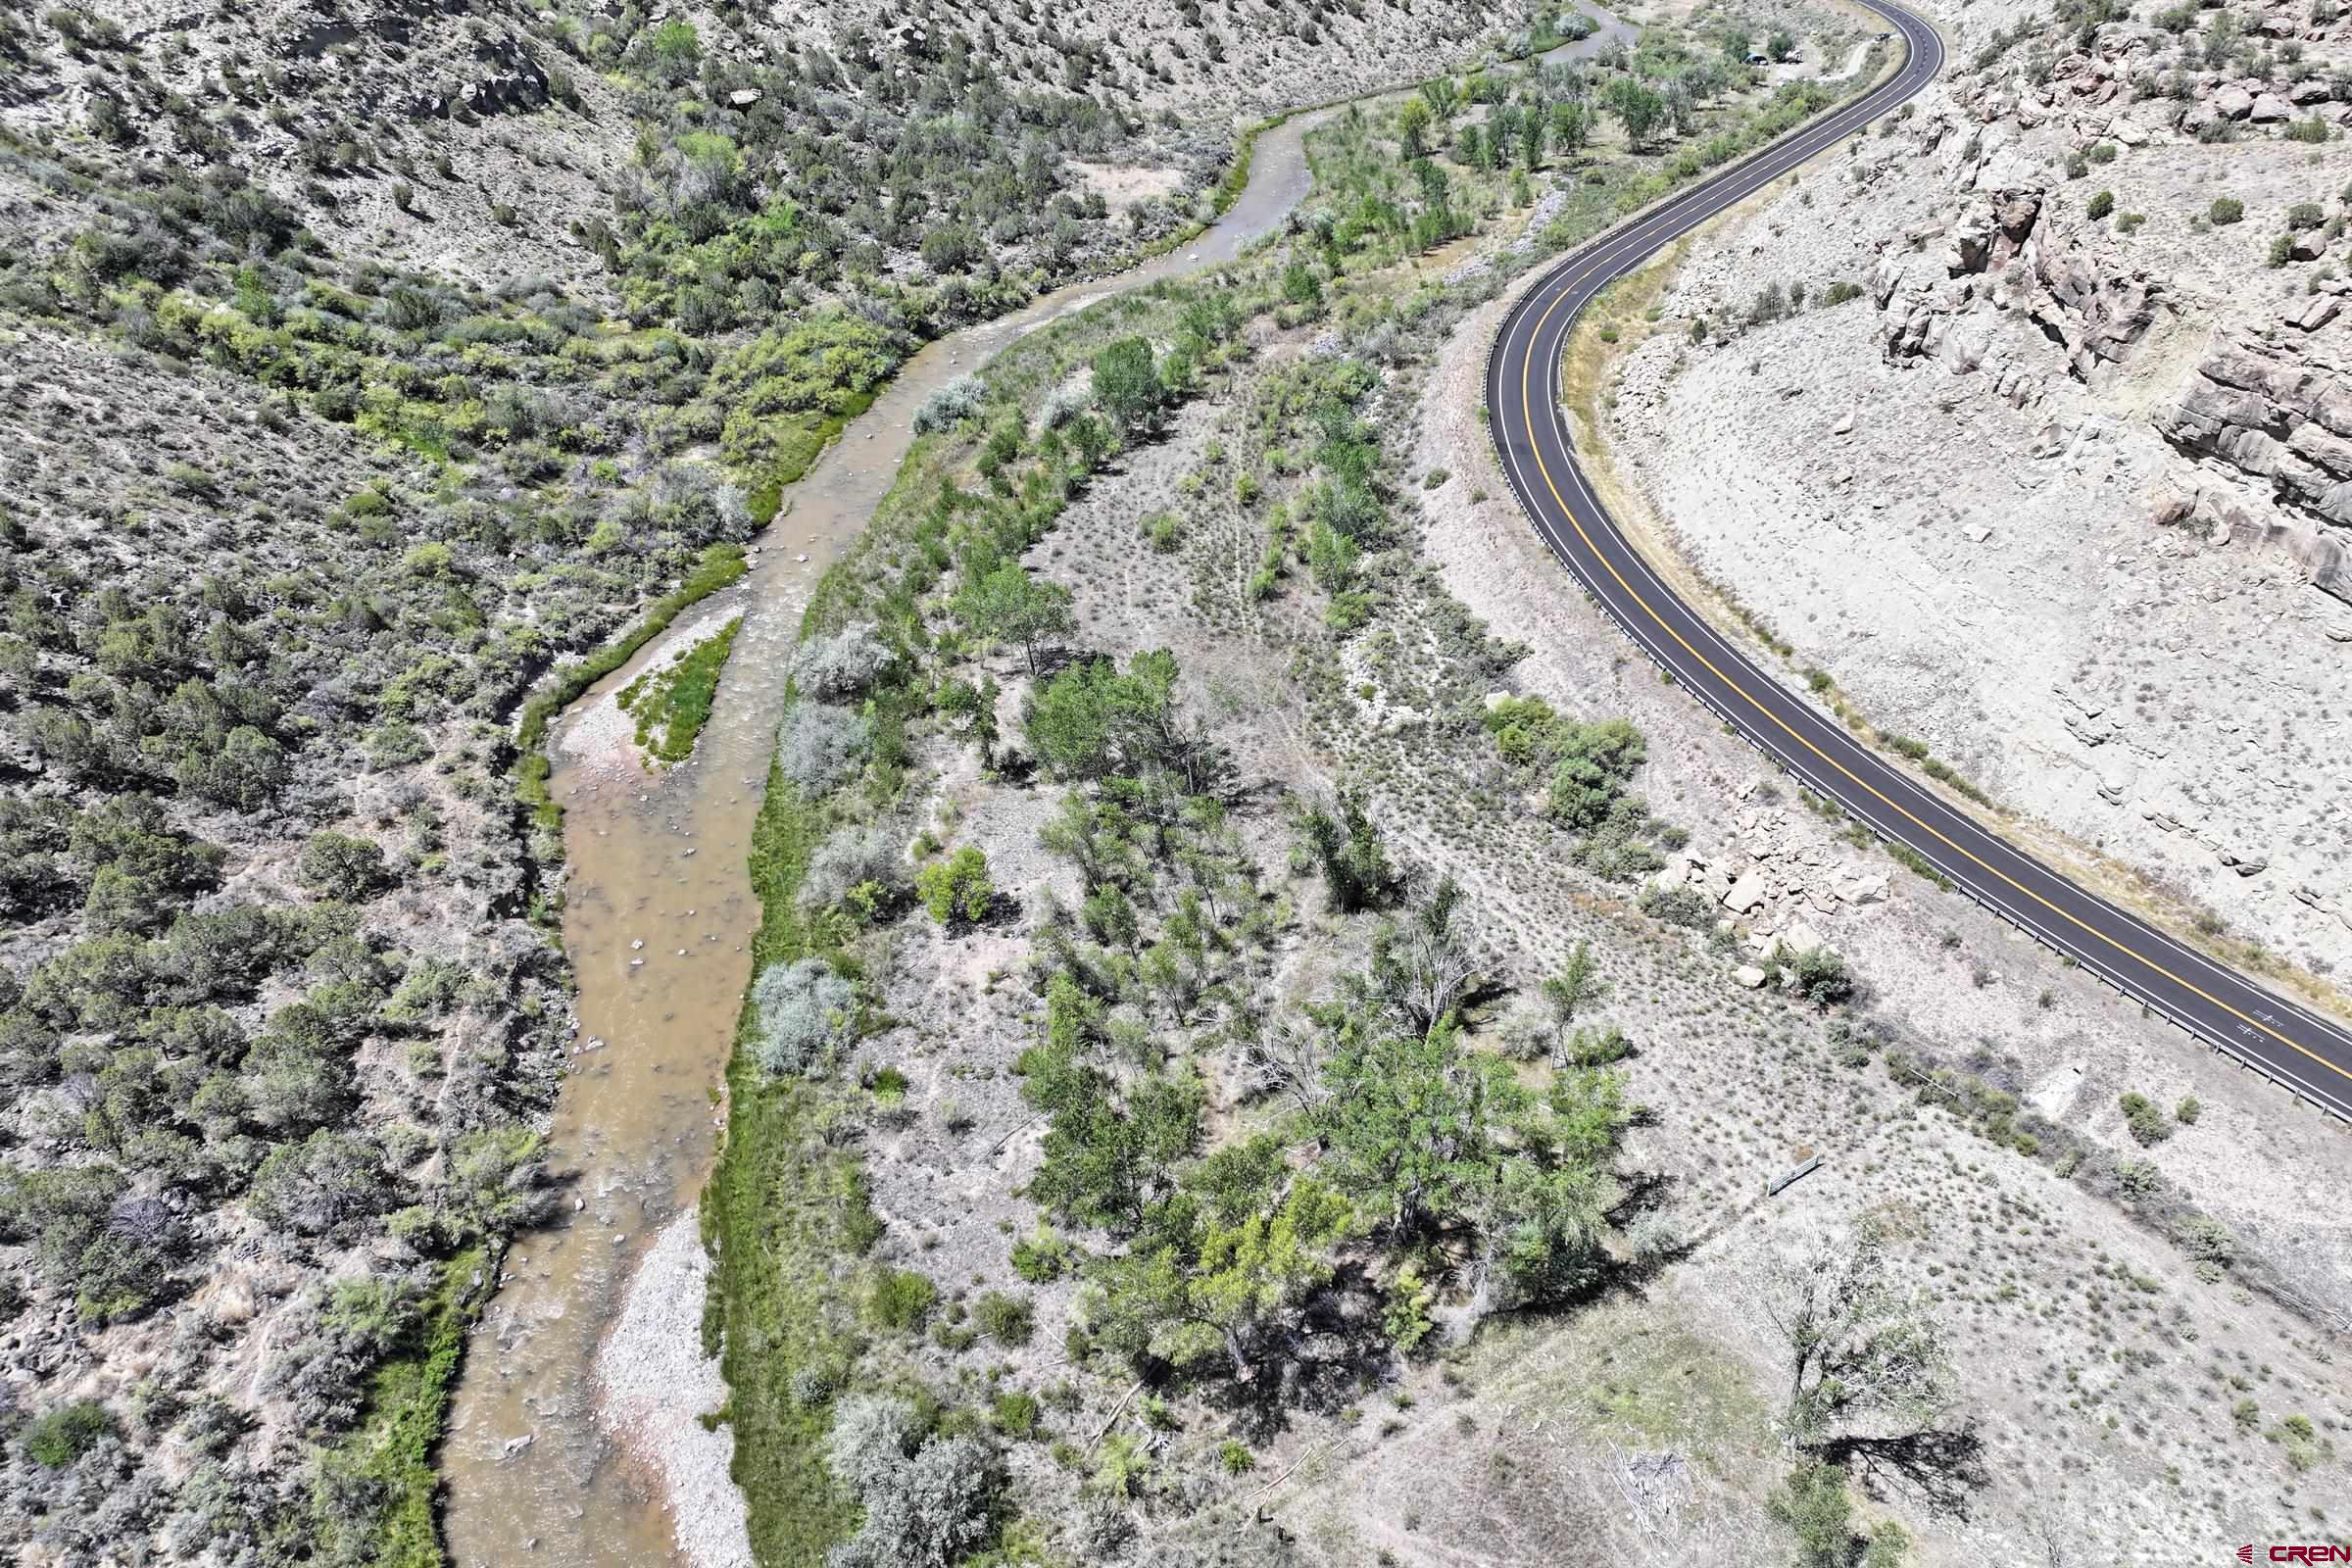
column 1860, row 1349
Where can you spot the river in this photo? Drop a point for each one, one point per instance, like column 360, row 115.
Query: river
column 657, row 920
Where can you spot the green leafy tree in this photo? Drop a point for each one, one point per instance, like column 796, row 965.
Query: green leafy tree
column 1009, row 604
column 1858, row 1347
column 1198, row 1285
column 1412, row 129
column 1356, row 871
column 1404, row 1124
column 1567, row 993
column 1640, row 109
column 1571, row 126
column 1094, row 720
column 340, row 867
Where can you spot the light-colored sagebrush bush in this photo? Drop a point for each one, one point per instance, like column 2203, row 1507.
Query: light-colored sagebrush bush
column 948, row 404
column 821, row 747
column 871, row 1439
column 851, row 857
column 804, row 1012
column 844, row 664
column 1062, row 403
column 925, row 1506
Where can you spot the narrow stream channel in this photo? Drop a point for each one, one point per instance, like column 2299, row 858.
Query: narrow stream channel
column 661, row 860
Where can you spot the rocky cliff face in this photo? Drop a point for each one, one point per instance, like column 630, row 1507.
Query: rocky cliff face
column 2104, row 299
column 2275, row 411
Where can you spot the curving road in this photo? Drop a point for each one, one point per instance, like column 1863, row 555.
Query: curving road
column 2308, row 1053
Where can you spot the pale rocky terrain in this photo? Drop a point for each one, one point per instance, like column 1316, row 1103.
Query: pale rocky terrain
column 2057, row 496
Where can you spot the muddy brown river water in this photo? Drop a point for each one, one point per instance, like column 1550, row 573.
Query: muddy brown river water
column 661, row 860
column 531, row 1476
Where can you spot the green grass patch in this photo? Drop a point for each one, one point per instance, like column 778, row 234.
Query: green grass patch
column 391, row 1454
column 786, row 1219
column 1912, row 860
column 792, row 443
column 672, row 704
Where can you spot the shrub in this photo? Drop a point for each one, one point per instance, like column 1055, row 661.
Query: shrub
column 2103, row 153
column 956, row 888
column 803, row 1013
column 1594, row 764
column 954, row 248
column 1014, row 1414
column 67, row 1433
column 1822, row 978
column 929, row 1511
column 1127, row 385
column 902, row 1298
column 1235, row 1455
column 856, row 864
column 2129, row 223
column 2101, row 205
column 2206, row 1241
column 949, row 405
column 819, row 746
column 2145, row 1119
column 1813, row 1505
column 845, row 664
column 2187, row 1111
column 2305, row 215
column 321, row 1183
column 1041, row 1258
column 337, row 866
column 2313, row 129
column 1683, row 905
column 1006, row 1319
column 2224, row 210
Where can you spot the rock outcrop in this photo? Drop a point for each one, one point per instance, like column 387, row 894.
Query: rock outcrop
column 2278, row 413
column 2007, row 254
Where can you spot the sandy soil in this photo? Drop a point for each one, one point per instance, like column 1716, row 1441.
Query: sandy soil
column 654, row 1385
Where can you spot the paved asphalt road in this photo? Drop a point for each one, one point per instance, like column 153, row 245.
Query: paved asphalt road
column 2297, row 1048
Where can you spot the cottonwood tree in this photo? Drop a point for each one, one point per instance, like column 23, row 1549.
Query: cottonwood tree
column 1423, row 968
column 1862, row 1353
column 1127, row 386
column 1009, row 604
column 1569, row 991
column 1199, row 1283
column 1356, row 871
